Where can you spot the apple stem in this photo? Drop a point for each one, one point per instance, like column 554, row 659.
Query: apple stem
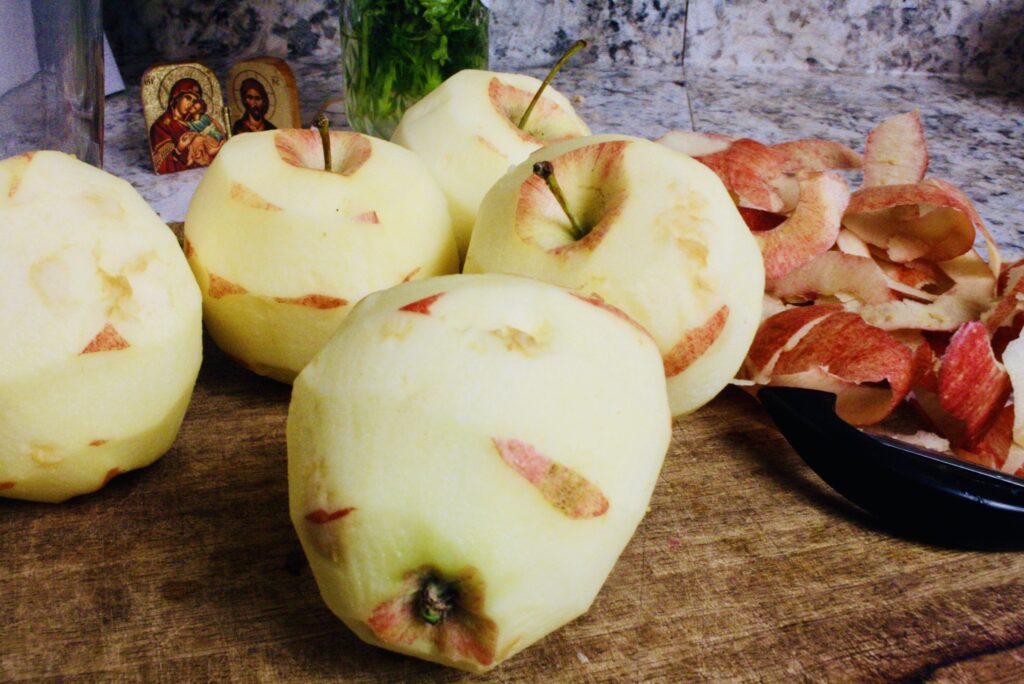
column 546, row 171
column 576, row 47
column 436, row 599
column 323, row 125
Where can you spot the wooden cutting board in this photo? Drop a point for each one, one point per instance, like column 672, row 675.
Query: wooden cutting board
column 746, row 567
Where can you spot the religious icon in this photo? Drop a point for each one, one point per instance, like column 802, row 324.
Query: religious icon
column 262, row 96
column 183, row 107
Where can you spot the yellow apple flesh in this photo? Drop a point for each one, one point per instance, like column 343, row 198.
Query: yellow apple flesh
column 100, row 330
column 282, row 248
column 665, row 244
column 466, row 130
column 494, row 436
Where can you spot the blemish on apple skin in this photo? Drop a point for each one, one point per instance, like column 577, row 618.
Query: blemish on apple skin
column 314, row 301
column 111, row 474
column 516, row 340
column 107, row 339
column 45, row 455
column 564, row 488
column 422, row 306
column 322, row 517
column 98, row 442
column 7, row 485
column 250, row 198
column 411, row 274
column 694, row 342
column 186, row 247
column 222, row 287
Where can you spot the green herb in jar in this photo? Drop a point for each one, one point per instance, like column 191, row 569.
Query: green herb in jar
column 397, row 51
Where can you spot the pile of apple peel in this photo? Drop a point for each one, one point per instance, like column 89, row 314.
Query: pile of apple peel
column 878, row 295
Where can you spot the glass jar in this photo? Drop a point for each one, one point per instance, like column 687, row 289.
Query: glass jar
column 396, row 51
column 51, row 77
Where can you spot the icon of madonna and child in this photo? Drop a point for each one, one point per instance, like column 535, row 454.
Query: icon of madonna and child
column 185, row 135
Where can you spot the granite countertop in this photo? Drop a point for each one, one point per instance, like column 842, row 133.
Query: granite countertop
column 973, row 131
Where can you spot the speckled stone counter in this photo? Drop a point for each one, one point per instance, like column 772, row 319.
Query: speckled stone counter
column 973, row 131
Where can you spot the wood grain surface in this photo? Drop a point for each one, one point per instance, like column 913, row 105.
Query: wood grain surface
column 746, row 567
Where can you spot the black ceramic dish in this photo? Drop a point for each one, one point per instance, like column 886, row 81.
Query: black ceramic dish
column 917, row 491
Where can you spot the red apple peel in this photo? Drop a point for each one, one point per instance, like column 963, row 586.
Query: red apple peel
column 973, row 387
column 896, row 151
column 812, row 228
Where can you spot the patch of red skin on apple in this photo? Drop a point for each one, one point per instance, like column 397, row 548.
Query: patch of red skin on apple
column 810, row 154
column 593, row 238
column 98, row 442
column 776, row 331
column 870, row 215
column 250, row 198
column 810, row 230
column 321, row 516
column 905, row 133
column 746, row 169
column 411, row 274
column 188, row 249
column 111, row 474
column 694, row 342
column 601, row 161
column 367, row 217
column 848, row 352
column 222, row 287
column 758, row 220
column 7, row 485
column 596, row 300
column 107, row 339
column 422, row 306
column 565, row 489
column 464, row 634
column 303, row 148
column 973, row 387
column 314, row 301
column 508, row 100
